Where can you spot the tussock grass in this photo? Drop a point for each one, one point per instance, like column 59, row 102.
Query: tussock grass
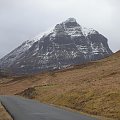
column 3, row 114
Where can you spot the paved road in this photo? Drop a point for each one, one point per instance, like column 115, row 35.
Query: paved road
column 25, row 109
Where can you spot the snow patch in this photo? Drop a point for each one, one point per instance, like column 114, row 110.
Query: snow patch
column 88, row 31
column 42, row 34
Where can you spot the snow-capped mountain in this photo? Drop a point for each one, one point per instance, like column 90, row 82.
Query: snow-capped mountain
column 67, row 44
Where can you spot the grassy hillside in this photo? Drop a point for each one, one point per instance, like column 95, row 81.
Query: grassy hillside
column 93, row 88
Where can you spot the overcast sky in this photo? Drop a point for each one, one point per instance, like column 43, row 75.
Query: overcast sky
column 21, row 20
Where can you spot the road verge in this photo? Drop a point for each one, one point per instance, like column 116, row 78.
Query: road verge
column 4, row 114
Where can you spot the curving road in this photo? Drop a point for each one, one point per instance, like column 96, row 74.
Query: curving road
column 25, row 109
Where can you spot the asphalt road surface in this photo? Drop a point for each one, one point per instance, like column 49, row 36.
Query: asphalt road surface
column 25, row 109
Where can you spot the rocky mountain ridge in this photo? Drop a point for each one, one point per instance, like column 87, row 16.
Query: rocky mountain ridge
column 67, row 44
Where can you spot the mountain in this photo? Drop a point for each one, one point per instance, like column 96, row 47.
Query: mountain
column 67, row 44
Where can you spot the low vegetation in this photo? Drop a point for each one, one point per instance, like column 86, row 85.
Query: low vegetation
column 4, row 114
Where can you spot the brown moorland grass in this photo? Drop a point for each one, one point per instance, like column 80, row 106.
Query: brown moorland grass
column 93, row 88
column 3, row 114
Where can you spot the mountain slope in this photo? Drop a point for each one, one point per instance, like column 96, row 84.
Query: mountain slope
column 67, row 44
column 9, row 59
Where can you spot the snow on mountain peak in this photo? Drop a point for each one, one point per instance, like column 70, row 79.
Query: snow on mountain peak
column 88, row 31
column 70, row 26
column 42, row 34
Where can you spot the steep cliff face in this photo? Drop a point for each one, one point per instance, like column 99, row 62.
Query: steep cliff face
column 67, row 44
